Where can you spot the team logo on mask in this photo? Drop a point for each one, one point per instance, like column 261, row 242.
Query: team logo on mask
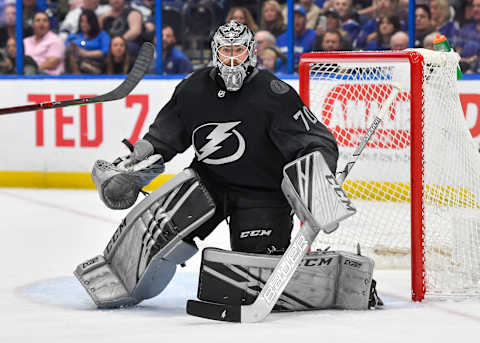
column 218, row 143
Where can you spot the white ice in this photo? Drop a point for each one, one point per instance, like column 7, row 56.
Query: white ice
column 45, row 234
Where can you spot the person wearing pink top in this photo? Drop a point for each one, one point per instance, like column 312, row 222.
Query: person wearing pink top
column 45, row 47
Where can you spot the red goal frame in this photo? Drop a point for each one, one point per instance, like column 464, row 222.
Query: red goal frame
column 416, row 62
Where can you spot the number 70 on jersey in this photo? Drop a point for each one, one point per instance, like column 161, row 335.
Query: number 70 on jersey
column 306, row 115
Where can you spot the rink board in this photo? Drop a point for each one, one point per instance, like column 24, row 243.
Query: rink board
column 57, row 148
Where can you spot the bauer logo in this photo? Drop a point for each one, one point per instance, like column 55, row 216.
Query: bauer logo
column 285, row 268
column 349, row 109
column 255, row 233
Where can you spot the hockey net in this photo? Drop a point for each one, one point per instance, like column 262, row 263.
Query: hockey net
column 416, row 185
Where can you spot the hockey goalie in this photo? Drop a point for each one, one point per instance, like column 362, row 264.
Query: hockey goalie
column 250, row 131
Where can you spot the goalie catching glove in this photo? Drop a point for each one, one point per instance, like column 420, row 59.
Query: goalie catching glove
column 118, row 183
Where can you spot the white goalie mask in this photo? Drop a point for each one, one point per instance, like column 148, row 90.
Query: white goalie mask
column 234, row 50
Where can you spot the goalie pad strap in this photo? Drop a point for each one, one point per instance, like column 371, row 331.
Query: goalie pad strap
column 141, row 257
column 324, row 280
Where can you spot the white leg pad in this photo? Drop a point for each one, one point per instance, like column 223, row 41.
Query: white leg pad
column 141, row 257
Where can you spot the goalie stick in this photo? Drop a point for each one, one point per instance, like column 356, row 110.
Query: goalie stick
column 341, row 176
column 142, row 62
column 289, row 262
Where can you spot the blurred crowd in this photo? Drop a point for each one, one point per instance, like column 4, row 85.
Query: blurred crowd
column 104, row 36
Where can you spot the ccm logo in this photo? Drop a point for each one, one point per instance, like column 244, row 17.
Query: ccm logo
column 255, row 233
column 313, row 262
column 341, row 194
column 352, row 263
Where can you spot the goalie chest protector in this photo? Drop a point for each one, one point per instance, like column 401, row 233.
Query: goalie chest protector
column 323, row 280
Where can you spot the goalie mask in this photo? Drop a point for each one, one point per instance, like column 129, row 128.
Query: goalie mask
column 234, row 50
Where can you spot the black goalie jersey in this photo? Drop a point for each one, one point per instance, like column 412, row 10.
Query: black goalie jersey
column 242, row 139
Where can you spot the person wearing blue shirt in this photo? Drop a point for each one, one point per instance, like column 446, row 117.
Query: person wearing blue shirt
column 468, row 42
column 304, row 38
column 86, row 50
column 173, row 60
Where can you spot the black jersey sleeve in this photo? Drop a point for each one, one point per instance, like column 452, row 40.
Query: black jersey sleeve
column 296, row 131
column 167, row 133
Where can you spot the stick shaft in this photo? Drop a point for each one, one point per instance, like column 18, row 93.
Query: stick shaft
column 341, row 176
column 139, row 69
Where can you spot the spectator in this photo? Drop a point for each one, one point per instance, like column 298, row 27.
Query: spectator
column 122, row 20
column 333, row 23
column 273, row 60
column 464, row 13
column 7, row 30
column 118, row 58
column 8, row 63
column 70, row 23
column 264, row 39
column 440, row 10
column 87, row 49
column 173, row 60
column 468, row 40
column 147, row 8
column 243, row 16
column 312, row 10
column 3, row 4
column 45, row 47
column 428, row 40
column 399, row 41
column 29, row 10
column 470, row 32
column 349, row 24
column 304, row 38
column 368, row 32
column 387, row 26
column 423, row 24
column 313, row 13
column 272, row 18
column 143, row 7
column 331, row 41
column 30, row 7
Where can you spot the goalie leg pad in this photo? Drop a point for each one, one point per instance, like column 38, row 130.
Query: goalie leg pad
column 323, row 280
column 141, row 257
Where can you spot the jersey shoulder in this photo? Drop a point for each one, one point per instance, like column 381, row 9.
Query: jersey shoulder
column 275, row 86
column 278, row 98
column 195, row 79
column 279, row 95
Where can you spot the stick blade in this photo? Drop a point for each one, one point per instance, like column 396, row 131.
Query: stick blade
column 214, row 311
column 142, row 62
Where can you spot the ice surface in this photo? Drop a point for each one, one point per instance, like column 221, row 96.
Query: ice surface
column 46, row 233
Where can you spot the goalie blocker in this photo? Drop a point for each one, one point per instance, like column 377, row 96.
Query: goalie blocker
column 141, row 257
column 323, row 280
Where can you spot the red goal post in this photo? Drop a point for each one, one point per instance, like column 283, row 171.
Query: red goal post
column 354, row 85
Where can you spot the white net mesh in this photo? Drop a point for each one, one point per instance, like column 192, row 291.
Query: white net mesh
column 346, row 95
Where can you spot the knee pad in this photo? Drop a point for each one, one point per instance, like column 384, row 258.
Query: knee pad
column 141, row 257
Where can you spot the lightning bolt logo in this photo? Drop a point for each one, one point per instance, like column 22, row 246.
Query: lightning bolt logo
column 219, row 134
